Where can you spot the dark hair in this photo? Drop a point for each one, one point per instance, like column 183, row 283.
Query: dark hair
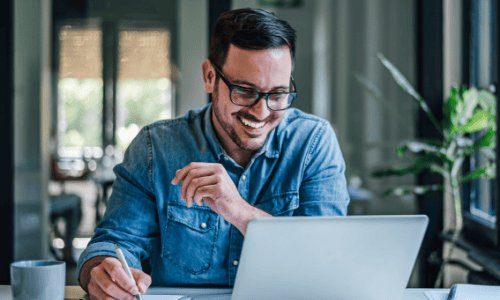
column 250, row 29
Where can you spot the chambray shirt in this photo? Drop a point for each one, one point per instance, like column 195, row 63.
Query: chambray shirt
column 298, row 172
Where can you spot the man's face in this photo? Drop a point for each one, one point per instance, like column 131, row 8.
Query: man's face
column 268, row 71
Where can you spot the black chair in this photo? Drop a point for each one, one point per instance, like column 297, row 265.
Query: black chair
column 69, row 208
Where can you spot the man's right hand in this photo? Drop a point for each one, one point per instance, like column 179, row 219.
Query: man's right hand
column 109, row 280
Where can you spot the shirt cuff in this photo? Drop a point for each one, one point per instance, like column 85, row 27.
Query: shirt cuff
column 105, row 249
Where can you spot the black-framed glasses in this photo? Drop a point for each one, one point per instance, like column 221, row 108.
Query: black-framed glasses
column 249, row 97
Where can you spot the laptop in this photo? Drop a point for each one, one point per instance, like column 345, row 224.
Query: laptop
column 341, row 258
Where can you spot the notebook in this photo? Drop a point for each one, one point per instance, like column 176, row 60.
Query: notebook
column 354, row 257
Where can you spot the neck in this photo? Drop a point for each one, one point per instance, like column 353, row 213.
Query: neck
column 240, row 156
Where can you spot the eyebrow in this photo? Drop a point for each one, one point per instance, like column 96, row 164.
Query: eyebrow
column 253, row 86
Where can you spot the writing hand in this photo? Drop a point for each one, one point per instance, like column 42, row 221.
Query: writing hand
column 109, row 280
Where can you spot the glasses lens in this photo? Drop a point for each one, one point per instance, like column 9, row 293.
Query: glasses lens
column 246, row 97
column 279, row 101
column 243, row 97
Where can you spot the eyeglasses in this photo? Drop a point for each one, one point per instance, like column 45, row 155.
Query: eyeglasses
column 249, row 97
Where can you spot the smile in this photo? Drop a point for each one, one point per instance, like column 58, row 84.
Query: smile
column 251, row 124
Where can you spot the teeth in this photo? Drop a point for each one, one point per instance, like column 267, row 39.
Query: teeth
column 252, row 124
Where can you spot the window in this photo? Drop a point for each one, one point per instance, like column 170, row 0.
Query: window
column 144, row 89
column 480, row 203
column 79, row 89
column 114, row 78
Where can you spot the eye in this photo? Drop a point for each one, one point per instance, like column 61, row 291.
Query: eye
column 244, row 93
column 278, row 97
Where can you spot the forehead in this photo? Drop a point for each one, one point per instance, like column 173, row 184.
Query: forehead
column 264, row 68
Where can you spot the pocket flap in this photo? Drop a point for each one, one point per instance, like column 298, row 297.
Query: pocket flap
column 196, row 218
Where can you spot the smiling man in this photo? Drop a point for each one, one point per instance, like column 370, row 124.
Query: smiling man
column 188, row 187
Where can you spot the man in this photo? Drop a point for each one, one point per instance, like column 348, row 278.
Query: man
column 188, row 187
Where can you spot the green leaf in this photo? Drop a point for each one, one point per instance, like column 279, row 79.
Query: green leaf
column 453, row 109
column 417, row 190
column 416, row 147
column 484, row 172
column 471, row 98
column 400, row 79
column 407, row 87
column 377, row 95
column 477, row 122
column 428, row 161
column 486, row 141
column 394, row 172
column 488, row 102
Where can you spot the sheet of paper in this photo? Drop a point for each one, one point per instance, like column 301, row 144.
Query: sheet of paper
column 155, row 297
column 475, row 291
column 437, row 295
column 162, row 297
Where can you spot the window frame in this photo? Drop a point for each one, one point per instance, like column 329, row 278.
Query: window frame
column 476, row 229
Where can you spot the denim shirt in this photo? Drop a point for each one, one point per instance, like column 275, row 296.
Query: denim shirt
column 298, row 172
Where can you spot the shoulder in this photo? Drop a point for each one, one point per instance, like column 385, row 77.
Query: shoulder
column 192, row 119
column 300, row 123
column 186, row 128
column 300, row 132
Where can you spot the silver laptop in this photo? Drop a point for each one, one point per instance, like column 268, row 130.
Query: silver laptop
column 341, row 258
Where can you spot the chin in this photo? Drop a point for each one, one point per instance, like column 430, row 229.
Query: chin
column 251, row 144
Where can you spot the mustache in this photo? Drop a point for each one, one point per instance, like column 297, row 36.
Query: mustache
column 252, row 118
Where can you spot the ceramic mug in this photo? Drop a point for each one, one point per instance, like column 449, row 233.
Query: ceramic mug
column 38, row 280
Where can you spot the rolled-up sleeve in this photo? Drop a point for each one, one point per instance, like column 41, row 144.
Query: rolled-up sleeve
column 323, row 191
column 131, row 218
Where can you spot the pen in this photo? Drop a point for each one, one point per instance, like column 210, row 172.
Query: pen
column 125, row 265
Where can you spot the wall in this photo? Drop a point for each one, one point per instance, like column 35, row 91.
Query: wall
column 31, row 122
column 188, row 20
column 335, row 40
column 193, row 50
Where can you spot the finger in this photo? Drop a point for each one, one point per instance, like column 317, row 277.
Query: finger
column 206, row 192
column 115, row 270
column 103, row 287
column 180, row 174
column 196, row 184
column 193, row 174
column 143, row 280
column 96, row 293
column 177, row 178
column 189, row 202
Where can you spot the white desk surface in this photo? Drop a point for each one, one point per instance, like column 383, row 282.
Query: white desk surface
column 76, row 292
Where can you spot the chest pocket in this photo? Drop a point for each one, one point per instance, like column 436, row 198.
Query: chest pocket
column 283, row 204
column 189, row 238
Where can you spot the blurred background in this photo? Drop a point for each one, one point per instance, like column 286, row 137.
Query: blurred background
column 81, row 77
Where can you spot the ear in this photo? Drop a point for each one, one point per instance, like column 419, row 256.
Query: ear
column 208, row 75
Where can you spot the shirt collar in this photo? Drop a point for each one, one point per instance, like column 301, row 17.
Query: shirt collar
column 270, row 148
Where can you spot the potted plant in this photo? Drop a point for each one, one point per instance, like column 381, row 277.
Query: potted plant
column 467, row 112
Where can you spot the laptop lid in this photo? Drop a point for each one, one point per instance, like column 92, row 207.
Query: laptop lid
column 352, row 258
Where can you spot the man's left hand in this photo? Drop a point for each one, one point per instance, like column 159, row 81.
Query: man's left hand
column 210, row 182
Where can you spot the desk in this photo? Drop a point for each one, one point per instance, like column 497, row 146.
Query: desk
column 75, row 292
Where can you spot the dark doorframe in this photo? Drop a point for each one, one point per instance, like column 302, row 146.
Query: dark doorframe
column 430, row 85
column 215, row 9
column 7, row 134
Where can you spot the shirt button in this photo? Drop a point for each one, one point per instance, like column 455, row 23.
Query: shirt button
column 243, row 177
column 235, row 262
column 203, row 225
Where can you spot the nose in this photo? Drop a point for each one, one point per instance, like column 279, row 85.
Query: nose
column 260, row 109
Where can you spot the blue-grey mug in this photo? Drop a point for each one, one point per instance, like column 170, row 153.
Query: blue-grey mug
column 38, row 280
